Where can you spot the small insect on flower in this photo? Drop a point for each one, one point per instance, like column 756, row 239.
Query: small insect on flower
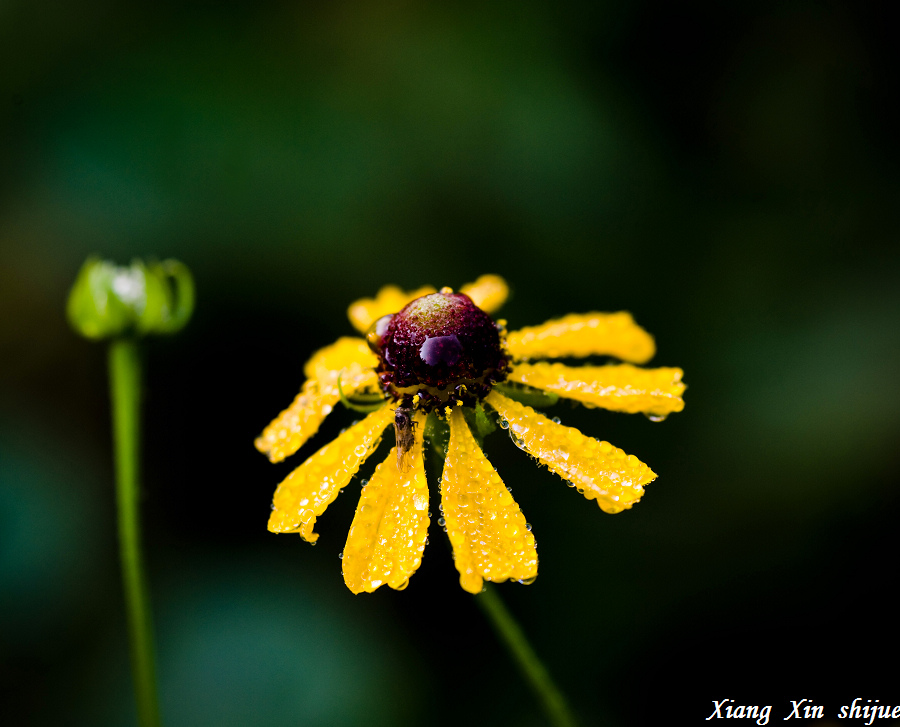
column 439, row 355
column 404, row 427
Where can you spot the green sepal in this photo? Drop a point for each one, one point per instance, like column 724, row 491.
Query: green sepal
column 376, row 399
column 479, row 422
column 437, row 431
column 93, row 309
column 170, row 296
column 527, row 395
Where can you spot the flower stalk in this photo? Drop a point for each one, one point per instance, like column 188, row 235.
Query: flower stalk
column 125, row 398
column 508, row 630
column 120, row 304
column 533, row 670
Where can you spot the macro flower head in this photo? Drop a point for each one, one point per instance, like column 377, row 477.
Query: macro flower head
column 434, row 363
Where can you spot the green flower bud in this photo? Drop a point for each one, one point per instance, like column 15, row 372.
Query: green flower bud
column 108, row 300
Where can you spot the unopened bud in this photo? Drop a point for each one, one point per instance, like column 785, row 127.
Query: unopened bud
column 108, row 300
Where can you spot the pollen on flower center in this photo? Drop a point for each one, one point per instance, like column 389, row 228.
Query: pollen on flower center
column 440, row 347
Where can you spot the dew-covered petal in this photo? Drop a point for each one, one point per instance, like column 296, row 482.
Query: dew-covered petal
column 487, row 530
column 599, row 470
column 343, row 353
column 623, row 387
column 290, row 429
column 342, row 361
column 584, row 334
column 390, row 299
column 388, row 533
column 489, row 292
column 312, row 487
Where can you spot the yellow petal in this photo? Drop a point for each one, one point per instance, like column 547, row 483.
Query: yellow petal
column 339, row 355
column 388, row 533
column 487, row 530
column 390, row 299
column 346, row 360
column 627, row 388
column 584, row 334
column 312, row 487
column 489, row 292
column 599, row 470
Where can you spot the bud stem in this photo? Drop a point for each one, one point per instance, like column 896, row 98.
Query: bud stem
column 125, row 394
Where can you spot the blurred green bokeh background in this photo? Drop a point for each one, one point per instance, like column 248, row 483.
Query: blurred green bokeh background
column 725, row 171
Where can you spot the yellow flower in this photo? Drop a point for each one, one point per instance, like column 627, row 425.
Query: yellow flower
column 429, row 351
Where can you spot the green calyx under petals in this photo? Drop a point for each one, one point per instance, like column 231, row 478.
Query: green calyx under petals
column 437, row 432
column 528, row 395
column 479, row 422
column 108, row 300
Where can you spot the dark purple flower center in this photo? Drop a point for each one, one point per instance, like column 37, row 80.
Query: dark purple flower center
column 439, row 350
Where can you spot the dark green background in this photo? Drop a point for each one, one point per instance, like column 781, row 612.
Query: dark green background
column 725, row 171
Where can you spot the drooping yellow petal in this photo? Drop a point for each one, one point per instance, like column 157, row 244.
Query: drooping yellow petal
column 290, row 429
column 349, row 360
column 390, row 299
column 487, row 530
column 584, row 334
column 489, row 292
column 599, row 470
column 312, row 487
column 656, row 392
column 388, row 533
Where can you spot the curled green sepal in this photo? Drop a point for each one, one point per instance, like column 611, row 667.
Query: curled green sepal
column 109, row 300
column 364, row 403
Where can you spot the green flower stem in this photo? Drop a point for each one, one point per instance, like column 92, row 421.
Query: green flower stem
column 510, row 633
column 125, row 393
column 532, row 669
